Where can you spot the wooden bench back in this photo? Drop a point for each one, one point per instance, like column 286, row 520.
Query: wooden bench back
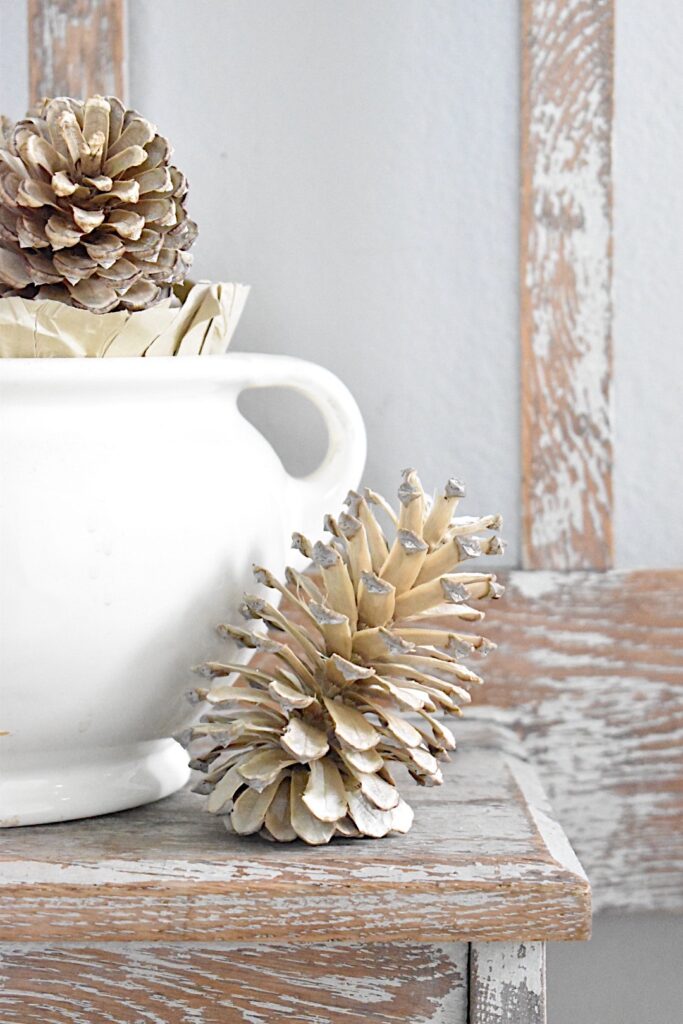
column 591, row 667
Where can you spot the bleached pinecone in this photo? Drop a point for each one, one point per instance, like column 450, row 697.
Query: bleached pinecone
column 302, row 743
column 91, row 211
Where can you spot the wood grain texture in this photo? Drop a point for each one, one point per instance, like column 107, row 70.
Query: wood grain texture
column 484, row 860
column 76, row 48
column 590, row 673
column 222, row 984
column 507, row 983
column 565, row 282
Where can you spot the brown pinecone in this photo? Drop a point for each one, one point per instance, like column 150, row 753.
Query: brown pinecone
column 91, row 211
column 304, row 744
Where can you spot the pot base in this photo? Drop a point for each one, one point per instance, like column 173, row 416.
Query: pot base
column 88, row 782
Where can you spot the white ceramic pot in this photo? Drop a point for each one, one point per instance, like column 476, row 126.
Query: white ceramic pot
column 134, row 498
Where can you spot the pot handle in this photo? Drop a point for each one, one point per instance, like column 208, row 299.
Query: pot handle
column 324, row 489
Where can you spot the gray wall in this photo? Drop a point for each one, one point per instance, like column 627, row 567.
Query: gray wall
column 356, row 163
column 648, row 328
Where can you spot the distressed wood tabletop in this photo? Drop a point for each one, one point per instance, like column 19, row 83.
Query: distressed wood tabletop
column 485, row 861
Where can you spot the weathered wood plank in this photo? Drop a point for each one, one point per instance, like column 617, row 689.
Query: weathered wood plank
column 76, row 48
column 565, row 282
column 507, row 983
column 484, row 860
column 223, row 984
column 590, row 673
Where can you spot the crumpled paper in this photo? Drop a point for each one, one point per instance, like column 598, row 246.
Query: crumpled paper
column 199, row 320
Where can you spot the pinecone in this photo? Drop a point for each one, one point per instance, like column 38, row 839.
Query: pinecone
column 91, row 211
column 302, row 743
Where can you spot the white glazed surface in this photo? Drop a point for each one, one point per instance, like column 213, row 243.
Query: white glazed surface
column 134, row 498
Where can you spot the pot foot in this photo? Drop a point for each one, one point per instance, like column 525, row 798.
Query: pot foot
column 62, row 785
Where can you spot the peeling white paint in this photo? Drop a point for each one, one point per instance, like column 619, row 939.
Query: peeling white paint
column 566, row 274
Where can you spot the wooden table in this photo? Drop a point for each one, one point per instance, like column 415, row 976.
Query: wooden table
column 159, row 915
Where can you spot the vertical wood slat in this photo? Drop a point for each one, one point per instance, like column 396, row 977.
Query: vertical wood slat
column 507, row 983
column 565, row 283
column 76, row 48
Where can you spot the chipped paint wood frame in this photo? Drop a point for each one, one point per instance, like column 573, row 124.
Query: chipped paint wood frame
column 77, row 48
column 228, row 983
column 591, row 665
column 566, row 283
column 507, row 983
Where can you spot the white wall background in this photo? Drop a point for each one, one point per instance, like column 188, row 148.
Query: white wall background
column 648, row 289
column 357, row 164
column 329, row 147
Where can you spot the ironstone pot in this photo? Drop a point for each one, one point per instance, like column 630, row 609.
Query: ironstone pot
column 134, row 498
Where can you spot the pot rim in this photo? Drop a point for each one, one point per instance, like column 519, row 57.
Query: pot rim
column 236, row 367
